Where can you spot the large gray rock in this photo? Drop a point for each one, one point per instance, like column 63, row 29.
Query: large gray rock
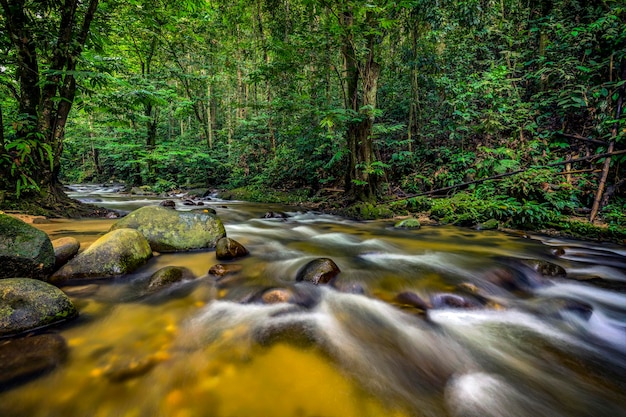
column 27, row 304
column 172, row 231
column 117, row 253
column 24, row 250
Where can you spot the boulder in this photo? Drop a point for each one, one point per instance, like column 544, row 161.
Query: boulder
column 27, row 357
column 27, row 304
column 228, row 248
column 168, row 203
column 117, row 253
column 277, row 295
column 24, row 250
column 221, row 270
column 173, row 231
column 408, row 224
column 318, row 271
column 65, row 249
column 169, row 275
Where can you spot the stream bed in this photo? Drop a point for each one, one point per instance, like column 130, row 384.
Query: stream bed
column 498, row 338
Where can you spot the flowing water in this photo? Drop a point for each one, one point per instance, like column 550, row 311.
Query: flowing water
column 521, row 345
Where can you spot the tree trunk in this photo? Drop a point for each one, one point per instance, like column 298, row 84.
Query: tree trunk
column 607, row 162
column 46, row 98
column 362, row 87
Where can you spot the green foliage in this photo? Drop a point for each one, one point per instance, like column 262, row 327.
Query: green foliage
column 615, row 214
column 266, row 195
column 254, row 95
column 20, row 157
column 368, row 211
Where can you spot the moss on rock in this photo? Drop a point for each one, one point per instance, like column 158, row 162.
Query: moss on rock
column 169, row 275
column 491, row 224
column 24, row 250
column 171, row 231
column 27, row 304
column 368, row 211
column 408, row 224
column 116, row 253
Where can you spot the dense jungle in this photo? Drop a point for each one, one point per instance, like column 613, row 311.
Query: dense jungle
column 306, row 208
column 463, row 111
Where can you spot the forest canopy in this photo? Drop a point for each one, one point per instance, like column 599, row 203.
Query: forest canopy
column 382, row 99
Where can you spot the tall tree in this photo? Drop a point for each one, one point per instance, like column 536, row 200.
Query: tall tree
column 362, row 28
column 46, row 41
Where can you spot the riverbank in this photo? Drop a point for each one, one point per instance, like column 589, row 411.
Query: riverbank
column 461, row 209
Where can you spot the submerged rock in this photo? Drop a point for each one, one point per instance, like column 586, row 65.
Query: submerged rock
column 545, row 268
column 318, row 271
column 24, row 358
column 277, row 295
column 27, row 304
column 172, row 231
column 169, row 275
column 221, row 270
column 411, row 299
column 294, row 332
column 24, row 250
column 117, row 253
column 65, row 249
column 81, row 291
column 446, row 300
column 275, row 215
column 228, row 248
column 124, row 370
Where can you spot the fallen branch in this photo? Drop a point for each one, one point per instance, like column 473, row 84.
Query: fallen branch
column 607, row 162
column 580, row 171
column 519, row 171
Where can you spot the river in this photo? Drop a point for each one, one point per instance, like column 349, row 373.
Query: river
column 523, row 345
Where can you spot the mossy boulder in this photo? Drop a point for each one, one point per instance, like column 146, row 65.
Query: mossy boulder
column 228, row 248
column 117, row 253
column 24, row 250
column 65, row 248
column 368, row 211
column 169, row 275
column 198, row 193
column 27, row 304
column 408, row 224
column 173, row 231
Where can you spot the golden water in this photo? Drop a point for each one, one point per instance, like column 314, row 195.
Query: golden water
column 193, row 350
